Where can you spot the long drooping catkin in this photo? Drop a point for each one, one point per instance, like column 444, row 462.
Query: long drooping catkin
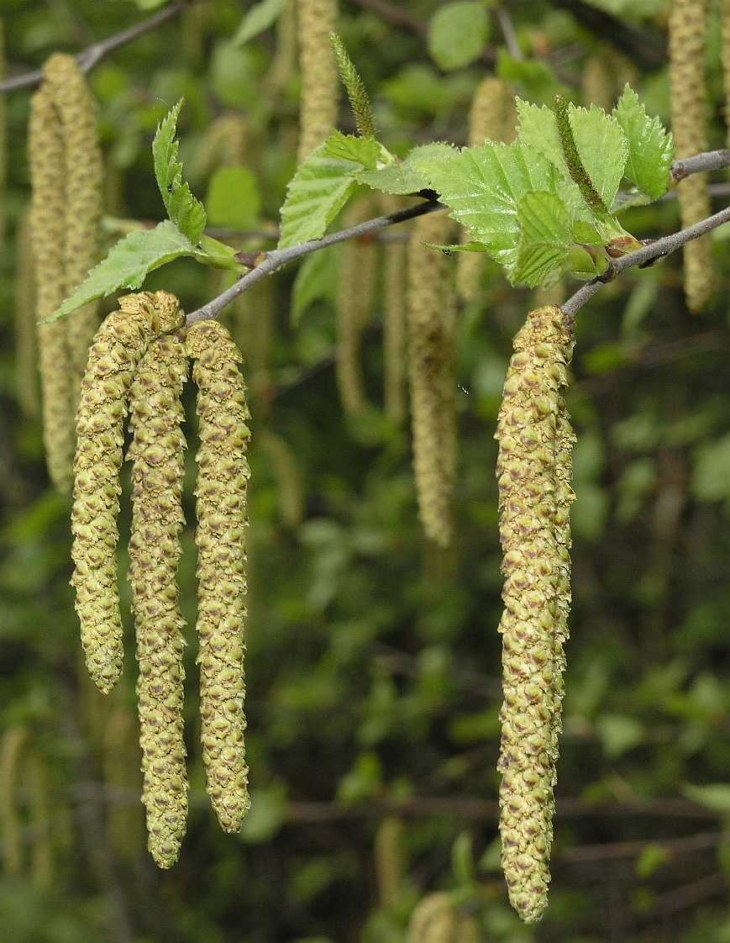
column 13, row 742
column 357, row 285
column 26, row 341
column 493, row 117
column 48, row 223
column 253, row 326
column 431, row 375
column 319, row 99
column 221, row 540
column 688, row 23
column 390, row 860
column 534, row 475
column 113, row 358
column 395, row 267
column 157, row 452
column 77, row 112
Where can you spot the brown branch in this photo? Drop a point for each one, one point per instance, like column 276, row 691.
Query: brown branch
column 93, row 54
column 632, row 849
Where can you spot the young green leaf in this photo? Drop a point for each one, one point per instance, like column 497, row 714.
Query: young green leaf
column 216, row 254
column 128, row 263
column 315, row 195
column 362, row 150
column 185, row 211
column 259, row 18
column 545, row 238
column 458, row 33
column 651, row 147
column 407, row 176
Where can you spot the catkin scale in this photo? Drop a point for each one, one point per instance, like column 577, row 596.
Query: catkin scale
column 688, row 24
column 157, row 452
column 220, row 537
column 118, row 346
column 431, row 375
column 77, row 113
column 47, row 227
column 316, row 19
column 534, row 477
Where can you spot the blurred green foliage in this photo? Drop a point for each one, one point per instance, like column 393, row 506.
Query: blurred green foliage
column 373, row 659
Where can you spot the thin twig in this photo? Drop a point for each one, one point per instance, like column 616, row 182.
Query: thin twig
column 279, row 257
column 655, row 250
column 89, row 57
column 508, row 31
column 700, row 163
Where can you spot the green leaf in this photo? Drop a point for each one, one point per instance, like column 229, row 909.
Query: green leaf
column 233, row 198
column 651, row 147
column 483, row 186
column 407, row 176
column 185, row 211
column 216, row 254
column 128, row 263
column 361, row 150
column 619, row 733
column 546, row 237
column 458, row 33
column 259, row 18
column 715, row 796
column 315, row 195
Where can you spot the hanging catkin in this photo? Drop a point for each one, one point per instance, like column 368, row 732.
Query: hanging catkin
column 431, row 375
column 48, row 224
column 316, row 19
column 77, row 112
column 534, row 475
column 35, row 778
column 436, row 919
column 395, row 266
column 157, row 452
column 493, row 117
column 725, row 55
column 356, row 291
column 225, row 144
column 26, row 341
column 221, row 540
column 3, row 144
column 118, row 346
column 688, row 23
column 390, row 860
column 13, row 742
column 121, row 768
column 283, row 65
column 287, row 474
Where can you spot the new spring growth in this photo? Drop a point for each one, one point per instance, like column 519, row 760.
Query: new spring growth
column 220, row 491
column 117, row 349
column 534, row 477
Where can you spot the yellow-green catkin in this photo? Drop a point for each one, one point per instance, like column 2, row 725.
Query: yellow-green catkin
column 355, row 296
column 395, row 267
column 121, row 762
column 13, row 742
column 316, row 19
column 220, row 536
column 157, row 452
column 431, row 374
column 284, row 63
column 534, row 476
column 287, row 474
column 48, row 221
column 35, row 776
column 390, row 860
column 118, row 346
column 688, row 23
column 253, row 324
column 725, row 55
column 26, row 341
column 3, row 143
column 493, row 117
column 436, row 919
column 77, row 112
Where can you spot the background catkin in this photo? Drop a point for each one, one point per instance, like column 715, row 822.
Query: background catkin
column 687, row 52
column 431, row 374
column 13, row 742
column 534, row 475
column 355, row 295
column 395, row 265
column 493, row 117
column 121, row 761
column 157, row 452
column 316, row 19
column 48, row 223
column 287, row 474
column 436, row 919
column 35, row 779
column 113, row 358
column 26, row 341
column 390, row 860
column 725, row 55
column 221, row 488
column 77, row 112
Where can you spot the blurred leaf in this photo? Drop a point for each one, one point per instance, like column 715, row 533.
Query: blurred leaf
column 233, row 198
column 711, row 477
column 619, row 733
column 650, row 860
column 715, row 796
column 268, row 813
column 258, row 18
column 458, row 33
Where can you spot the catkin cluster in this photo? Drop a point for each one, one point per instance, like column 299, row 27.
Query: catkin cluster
column 221, row 540
column 431, row 375
column 493, row 117
column 688, row 23
column 534, row 475
column 65, row 170
column 319, row 99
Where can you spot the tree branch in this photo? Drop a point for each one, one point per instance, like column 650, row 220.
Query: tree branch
column 278, row 257
column 700, row 163
column 93, row 54
column 654, row 250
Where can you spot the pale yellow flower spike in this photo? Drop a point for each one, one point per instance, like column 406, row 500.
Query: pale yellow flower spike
column 316, row 19
column 48, row 221
column 118, row 346
column 157, row 452
column 534, row 475
column 688, row 24
column 221, row 488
